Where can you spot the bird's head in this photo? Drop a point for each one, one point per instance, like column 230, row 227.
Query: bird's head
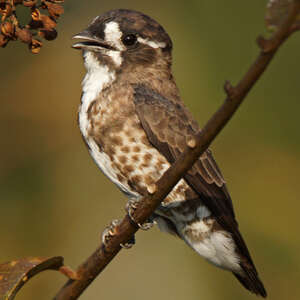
column 124, row 38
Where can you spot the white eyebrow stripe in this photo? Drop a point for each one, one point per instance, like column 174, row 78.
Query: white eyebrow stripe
column 152, row 44
column 113, row 34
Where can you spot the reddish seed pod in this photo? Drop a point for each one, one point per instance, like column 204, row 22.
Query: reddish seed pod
column 7, row 29
column 48, row 35
column 41, row 24
column 35, row 46
column 55, row 10
column 48, row 23
column 29, row 3
column 5, row 10
column 3, row 40
column 24, row 35
column 36, row 15
column 34, row 24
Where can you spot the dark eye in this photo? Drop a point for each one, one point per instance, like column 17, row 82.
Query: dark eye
column 129, row 39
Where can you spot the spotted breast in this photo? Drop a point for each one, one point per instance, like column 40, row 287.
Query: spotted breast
column 135, row 126
column 115, row 137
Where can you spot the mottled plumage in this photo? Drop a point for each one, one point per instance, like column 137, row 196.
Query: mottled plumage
column 135, row 125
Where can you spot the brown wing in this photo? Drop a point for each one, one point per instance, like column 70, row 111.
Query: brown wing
column 169, row 125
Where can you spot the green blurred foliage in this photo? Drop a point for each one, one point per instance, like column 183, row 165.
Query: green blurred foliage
column 54, row 200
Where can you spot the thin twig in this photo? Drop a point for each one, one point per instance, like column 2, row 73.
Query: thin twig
column 95, row 264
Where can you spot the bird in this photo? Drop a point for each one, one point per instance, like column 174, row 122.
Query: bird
column 135, row 125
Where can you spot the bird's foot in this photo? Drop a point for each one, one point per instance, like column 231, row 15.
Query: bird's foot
column 111, row 231
column 130, row 208
column 129, row 243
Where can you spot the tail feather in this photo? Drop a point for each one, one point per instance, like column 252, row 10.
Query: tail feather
column 222, row 246
column 229, row 252
column 252, row 283
column 249, row 279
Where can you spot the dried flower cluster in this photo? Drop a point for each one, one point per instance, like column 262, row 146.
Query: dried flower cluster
column 42, row 23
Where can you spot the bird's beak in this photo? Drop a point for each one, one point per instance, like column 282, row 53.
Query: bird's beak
column 90, row 42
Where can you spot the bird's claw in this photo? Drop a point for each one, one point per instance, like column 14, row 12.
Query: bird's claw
column 129, row 243
column 145, row 226
column 130, row 208
column 111, row 231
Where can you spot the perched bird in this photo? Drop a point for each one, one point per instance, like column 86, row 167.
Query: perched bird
column 135, row 125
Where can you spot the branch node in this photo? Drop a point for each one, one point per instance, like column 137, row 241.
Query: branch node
column 264, row 44
column 230, row 90
column 191, row 142
column 67, row 271
column 152, row 188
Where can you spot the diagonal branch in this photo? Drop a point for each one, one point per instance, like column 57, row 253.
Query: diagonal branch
column 102, row 256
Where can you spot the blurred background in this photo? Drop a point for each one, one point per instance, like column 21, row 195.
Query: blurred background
column 54, row 200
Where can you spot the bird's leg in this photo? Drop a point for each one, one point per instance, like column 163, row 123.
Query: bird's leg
column 111, row 230
column 130, row 208
column 129, row 243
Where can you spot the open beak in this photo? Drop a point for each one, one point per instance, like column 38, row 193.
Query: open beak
column 89, row 42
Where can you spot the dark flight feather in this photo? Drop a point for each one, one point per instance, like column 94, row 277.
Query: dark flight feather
column 168, row 125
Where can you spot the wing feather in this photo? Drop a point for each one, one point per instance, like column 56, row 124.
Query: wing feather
column 169, row 125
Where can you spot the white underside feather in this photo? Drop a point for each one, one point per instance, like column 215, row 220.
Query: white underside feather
column 96, row 78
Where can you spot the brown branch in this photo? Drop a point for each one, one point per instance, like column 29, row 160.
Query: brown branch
column 94, row 265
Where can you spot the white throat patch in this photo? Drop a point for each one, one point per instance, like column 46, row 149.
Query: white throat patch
column 96, row 79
